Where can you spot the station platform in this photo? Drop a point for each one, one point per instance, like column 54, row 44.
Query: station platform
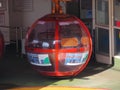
column 17, row 74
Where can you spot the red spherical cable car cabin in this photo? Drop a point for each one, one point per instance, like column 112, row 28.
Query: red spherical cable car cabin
column 58, row 45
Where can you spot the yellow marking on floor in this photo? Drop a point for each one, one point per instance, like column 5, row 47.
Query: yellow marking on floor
column 55, row 88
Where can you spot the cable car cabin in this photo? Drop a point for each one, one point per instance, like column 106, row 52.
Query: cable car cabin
column 1, row 45
column 58, row 45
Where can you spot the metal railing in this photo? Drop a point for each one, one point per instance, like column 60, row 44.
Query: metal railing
column 19, row 33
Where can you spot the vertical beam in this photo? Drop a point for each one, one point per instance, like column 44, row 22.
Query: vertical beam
column 111, row 49
column 93, row 13
column 112, row 28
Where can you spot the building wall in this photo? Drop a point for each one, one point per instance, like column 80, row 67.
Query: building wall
column 27, row 18
column 4, row 21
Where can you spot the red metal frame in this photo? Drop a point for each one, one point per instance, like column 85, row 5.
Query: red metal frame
column 57, row 50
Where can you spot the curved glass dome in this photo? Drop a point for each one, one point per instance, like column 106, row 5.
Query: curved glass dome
column 58, row 45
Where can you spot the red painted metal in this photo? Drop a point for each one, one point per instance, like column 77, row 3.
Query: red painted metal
column 49, row 55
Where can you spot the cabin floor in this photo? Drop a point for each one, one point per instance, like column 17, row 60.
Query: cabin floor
column 16, row 72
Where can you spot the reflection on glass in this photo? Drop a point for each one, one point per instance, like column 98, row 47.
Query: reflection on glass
column 117, row 13
column 42, row 36
column 72, row 35
column 102, row 14
column 117, row 41
column 102, row 41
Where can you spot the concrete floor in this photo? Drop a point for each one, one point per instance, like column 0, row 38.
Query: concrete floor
column 16, row 72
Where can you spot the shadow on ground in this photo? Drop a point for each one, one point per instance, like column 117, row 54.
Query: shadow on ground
column 15, row 71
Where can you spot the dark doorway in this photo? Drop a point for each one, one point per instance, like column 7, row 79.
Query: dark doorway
column 73, row 8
